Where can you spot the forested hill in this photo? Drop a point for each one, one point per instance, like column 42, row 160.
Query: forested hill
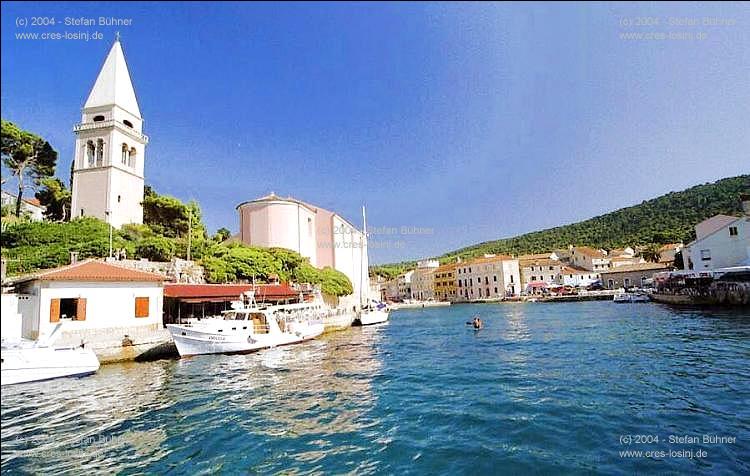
column 669, row 218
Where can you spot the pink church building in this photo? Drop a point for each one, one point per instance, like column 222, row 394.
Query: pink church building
column 323, row 236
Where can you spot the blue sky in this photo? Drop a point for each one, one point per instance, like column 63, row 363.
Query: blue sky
column 462, row 122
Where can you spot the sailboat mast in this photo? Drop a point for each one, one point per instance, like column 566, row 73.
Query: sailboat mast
column 363, row 243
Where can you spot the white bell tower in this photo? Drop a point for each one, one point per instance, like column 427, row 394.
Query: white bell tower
column 110, row 148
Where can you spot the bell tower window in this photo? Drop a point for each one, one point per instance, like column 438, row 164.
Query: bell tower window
column 98, row 118
column 99, row 152
column 131, row 157
column 128, row 123
column 90, row 151
column 125, row 154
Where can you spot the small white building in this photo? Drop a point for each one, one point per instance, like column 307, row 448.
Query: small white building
column 722, row 241
column 89, row 296
column 29, row 206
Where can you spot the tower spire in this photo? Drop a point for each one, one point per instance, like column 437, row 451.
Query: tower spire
column 113, row 85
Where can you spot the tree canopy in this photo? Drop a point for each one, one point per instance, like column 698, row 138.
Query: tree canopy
column 27, row 156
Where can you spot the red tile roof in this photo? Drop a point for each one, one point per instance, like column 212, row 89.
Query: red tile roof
column 93, row 271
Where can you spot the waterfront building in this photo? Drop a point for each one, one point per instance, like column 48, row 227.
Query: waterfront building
column 445, row 282
column 324, row 237
column 490, row 277
column 636, row 275
column 540, row 268
column 91, row 298
column 404, row 281
column 423, row 280
column 391, row 289
column 109, row 158
column 589, row 258
column 578, row 277
column 722, row 241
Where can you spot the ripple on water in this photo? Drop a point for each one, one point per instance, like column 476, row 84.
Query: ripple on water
column 544, row 388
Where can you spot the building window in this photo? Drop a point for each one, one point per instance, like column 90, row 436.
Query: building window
column 494, row 278
column 128, row 123
column 611, row 284
column 141, row 307
column 495, row 290
column 706, row 255
column 732, row 231
column 119, row 197
column 131, row 157
column 90, row 153
column 125, row 154
column 479, row 280
column 99, row 152
column 533, row 278
column 511, row 278
column 98, row 118
column 627, row 282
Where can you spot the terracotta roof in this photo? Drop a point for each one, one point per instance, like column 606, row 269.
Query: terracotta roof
column 671, row 246
column 540, row 262
column 588, row 251
column 636, row 267
column 93, row 270
column 228, row 291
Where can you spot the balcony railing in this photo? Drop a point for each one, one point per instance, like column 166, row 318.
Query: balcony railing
column 87, row 126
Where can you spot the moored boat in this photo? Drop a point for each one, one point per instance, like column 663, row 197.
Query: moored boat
column 31, row 361
column 628, row 297
column 250, row 327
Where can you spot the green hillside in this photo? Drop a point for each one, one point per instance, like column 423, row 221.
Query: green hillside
column 666, row 219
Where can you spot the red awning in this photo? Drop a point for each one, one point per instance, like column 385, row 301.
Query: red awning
column 227, row 292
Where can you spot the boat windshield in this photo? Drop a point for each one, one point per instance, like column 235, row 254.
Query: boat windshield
column 235, row 316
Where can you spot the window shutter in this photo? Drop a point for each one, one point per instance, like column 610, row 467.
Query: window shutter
column 81, row 309
column 141, row 307
column 54, row 310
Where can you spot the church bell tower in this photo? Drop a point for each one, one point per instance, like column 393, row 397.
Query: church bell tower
column 110, row 148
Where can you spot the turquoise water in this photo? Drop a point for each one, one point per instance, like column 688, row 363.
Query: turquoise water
column 544, row 388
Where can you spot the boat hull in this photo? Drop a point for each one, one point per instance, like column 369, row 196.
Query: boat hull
column 46, row 363
column 191, row 341
column 369, row 318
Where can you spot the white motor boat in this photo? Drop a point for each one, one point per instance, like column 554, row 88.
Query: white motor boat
column 31, row 361
column 250, row 327
column 627, row 297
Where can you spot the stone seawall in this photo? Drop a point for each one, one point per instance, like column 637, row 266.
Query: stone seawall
column 121, row 344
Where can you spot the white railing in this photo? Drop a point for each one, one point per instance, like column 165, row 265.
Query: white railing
column 87, row 126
